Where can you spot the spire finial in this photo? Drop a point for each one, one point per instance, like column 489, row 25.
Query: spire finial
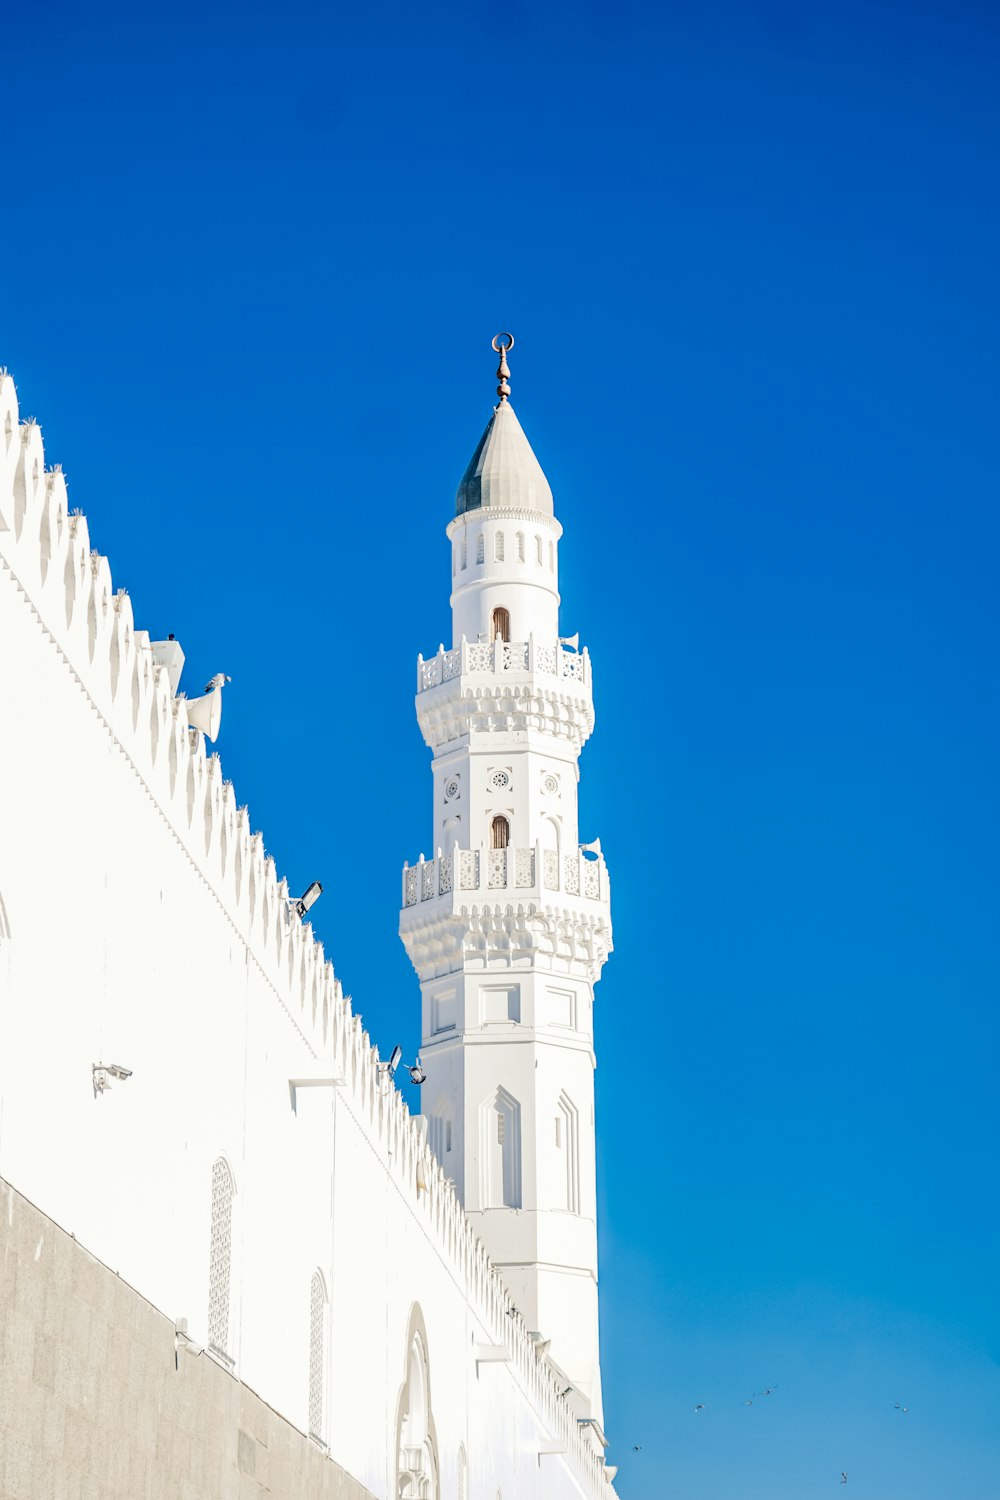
column 503, row 343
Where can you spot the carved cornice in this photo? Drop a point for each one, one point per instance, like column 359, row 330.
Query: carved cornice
column 505, row 513
column 558, row 938
column 463, row 707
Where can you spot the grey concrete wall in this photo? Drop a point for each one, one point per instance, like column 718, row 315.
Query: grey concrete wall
column 96, row 1405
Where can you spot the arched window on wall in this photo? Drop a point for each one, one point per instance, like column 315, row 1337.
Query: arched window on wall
column 538, row 550
column 498, row 547
column 465, row 552
column 502, row 1152
column 520, row 546
column 317, row 1356
column 480, row 548
column 417, row 1477
column 500, row 624
column 499, row 832
column 568, row 1149
column 220, row 1263
column 552, row 557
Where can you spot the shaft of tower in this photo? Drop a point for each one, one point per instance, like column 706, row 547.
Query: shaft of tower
column 508, row 925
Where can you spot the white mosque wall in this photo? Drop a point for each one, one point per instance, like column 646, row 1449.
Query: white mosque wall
column 143, row 924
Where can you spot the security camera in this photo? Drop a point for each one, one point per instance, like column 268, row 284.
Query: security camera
column 102, row 1074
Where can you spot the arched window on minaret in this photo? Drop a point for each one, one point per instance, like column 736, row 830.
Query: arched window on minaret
column 498, row 547
column 568, row 1147
column 520, row 546
column 502, row 1154
column 480, row 548
column 499, row 832
column 500, row 624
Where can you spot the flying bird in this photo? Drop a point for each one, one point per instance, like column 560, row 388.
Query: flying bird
column 700, row 1406
column 219, row 680
column 843, row 1476
column 636, row 1447
column 901, row 1408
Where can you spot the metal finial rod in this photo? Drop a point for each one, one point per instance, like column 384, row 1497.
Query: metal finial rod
column 503, row 343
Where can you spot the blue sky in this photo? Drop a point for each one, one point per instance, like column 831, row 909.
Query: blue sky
column 253, row 258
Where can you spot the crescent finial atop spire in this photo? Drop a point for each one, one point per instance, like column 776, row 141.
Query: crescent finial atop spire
column 503, row 343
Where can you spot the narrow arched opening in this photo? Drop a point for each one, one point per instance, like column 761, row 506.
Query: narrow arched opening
column 500, row 624
column 499, row 832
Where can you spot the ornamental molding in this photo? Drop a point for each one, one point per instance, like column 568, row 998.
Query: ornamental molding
column 483, row 936
column 504, row 513
column 460, row 709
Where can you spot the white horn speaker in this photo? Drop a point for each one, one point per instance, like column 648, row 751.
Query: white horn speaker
column 206, row 713
column 572, row 641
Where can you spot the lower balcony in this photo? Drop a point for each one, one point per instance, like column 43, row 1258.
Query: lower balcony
column 522, row 872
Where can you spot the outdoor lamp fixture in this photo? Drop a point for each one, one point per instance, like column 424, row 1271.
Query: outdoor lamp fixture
column 102, row 1074
column 308, row 900
column 388, row 1069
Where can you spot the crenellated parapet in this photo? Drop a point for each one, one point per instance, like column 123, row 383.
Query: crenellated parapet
column 69, row 587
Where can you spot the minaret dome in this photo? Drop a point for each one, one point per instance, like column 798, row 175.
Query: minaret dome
column 503, row 472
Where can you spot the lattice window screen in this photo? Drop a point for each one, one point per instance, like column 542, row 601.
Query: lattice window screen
column 317, row 1354
column 220, row 1259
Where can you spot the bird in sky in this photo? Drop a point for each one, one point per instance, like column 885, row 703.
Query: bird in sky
column 219, row 680
column 636, row 1447
column 901, row 1408
column 769, row 1390
column 843, row 1476
column 749, row 1402
column 700, row 1406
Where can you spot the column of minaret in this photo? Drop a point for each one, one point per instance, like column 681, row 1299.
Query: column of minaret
column 509, row 925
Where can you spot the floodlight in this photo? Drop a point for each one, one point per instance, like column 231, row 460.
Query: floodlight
column 308, row 900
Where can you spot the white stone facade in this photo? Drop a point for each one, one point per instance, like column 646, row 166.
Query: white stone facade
column 255, row 1174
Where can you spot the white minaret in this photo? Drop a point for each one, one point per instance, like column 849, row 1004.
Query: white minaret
column 509, row 926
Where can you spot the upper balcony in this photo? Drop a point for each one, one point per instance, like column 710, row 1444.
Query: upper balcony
column 492, row 873
column 499, row 659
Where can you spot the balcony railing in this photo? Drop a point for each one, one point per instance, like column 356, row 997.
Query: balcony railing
column 520, row 871
column 496, row 658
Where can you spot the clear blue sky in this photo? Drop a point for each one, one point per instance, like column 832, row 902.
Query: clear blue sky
column 252, row 259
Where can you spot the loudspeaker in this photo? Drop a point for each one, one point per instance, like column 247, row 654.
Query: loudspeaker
column 206, row 713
